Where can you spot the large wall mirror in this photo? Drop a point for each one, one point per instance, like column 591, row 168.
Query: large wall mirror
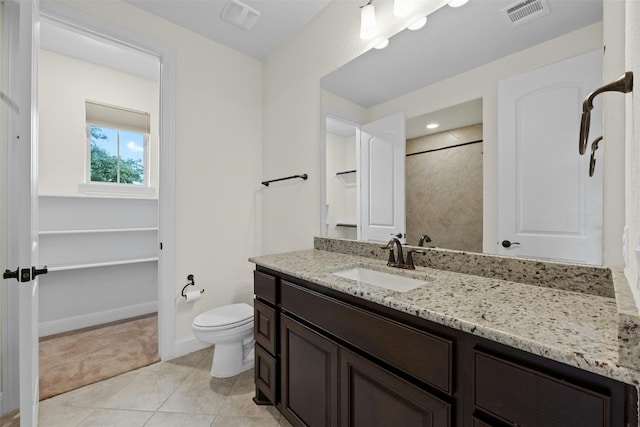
column 443, row 75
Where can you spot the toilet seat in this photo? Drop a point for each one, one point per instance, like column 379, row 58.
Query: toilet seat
column 225, row 317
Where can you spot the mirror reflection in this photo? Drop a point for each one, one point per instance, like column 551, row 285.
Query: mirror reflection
column 451, row 172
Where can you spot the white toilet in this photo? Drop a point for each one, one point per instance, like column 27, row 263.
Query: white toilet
column 230, row 328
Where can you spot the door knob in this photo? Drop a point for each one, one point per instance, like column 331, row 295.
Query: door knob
column 8, row 274
column 508, row 244
column 398, row 235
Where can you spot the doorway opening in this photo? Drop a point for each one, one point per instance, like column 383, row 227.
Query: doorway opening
column 98, row 203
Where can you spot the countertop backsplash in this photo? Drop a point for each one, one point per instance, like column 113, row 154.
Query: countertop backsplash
column 569, row 277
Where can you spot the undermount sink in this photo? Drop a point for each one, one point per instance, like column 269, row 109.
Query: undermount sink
column 389, row 281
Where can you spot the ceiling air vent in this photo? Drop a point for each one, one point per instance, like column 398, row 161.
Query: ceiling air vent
column 239, row 14
column 524, row 11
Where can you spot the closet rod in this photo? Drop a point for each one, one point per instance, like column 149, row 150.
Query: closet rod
column 303, row 176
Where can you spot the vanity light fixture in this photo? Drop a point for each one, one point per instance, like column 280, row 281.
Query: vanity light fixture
column 432, row 125
column 368, row 24
column 417, row 24
column 457, row 3
column 384, row 43
column 402, row 8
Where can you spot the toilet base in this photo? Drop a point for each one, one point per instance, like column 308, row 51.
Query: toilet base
column 231, row 359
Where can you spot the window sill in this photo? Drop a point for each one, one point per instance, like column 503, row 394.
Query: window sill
column 116, row 190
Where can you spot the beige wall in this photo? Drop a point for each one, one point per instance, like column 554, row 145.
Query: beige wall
column 64, row 84
column 444, row 189
column 292, row 116
column 218, row 158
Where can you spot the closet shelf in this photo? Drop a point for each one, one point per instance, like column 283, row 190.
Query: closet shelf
column 348, row 177
column 54, row 269
column 345, row 172
column 96, row 230
column 343, row 224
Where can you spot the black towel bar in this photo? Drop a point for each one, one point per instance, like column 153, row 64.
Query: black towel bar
column 303, row 176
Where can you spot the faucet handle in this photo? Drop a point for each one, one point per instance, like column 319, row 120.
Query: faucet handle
column 410, row 253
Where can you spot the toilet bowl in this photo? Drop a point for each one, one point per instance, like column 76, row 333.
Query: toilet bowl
column 230, row 329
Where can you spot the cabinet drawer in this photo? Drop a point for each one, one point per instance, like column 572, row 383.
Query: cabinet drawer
column 422, row 355
column 265, row 287
column 265, row 374
column 526, row 397
column 264, row 326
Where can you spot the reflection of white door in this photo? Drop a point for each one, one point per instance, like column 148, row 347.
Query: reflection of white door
column 382, row 147
column 22, row 238
column 547, row 202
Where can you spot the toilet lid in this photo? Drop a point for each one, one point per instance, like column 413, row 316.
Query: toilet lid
column 233, row 314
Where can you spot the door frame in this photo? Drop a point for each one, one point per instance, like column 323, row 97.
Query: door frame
column 166, row 200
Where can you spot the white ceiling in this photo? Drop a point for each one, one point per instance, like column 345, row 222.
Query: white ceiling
column 279, row 21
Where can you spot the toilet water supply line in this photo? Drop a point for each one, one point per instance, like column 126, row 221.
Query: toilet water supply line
column 191, row 295
column 623, row 84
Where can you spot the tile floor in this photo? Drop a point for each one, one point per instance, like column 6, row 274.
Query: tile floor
column 179, row 392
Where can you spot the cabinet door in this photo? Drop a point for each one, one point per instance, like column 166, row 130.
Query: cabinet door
column 372, row 396
column 309, row 376
column 525, row 397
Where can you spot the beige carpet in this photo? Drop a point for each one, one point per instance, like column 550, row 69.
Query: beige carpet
column 75, row 359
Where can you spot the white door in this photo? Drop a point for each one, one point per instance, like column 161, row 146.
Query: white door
column 381, row 153
column 21, row 187
column 548, row 205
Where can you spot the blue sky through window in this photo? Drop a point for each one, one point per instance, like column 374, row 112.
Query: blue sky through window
column 129, row 149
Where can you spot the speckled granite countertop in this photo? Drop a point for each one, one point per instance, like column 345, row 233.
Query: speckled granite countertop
column 576, row 328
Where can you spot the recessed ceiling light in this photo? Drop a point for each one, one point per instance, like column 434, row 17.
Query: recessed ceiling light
column 432, row 125
column 418, row 24
column 457, row 3
column 384, row 43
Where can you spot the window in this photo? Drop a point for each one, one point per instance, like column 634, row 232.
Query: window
column 118, row 145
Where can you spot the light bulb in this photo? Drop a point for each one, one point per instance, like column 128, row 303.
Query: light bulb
column 416, row 25
column 402, row 8
column 457, row 3
column 368, row 25
column 384, row 43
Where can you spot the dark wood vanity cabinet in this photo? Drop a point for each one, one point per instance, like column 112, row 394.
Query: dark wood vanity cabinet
column 329, row 359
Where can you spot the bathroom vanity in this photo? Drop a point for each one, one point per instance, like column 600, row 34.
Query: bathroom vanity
column 460, row 350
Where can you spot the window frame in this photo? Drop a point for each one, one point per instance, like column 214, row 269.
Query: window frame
column 116, row 188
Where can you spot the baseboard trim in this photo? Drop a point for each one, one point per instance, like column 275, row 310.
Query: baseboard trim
column 189, row 344
column 99, row 318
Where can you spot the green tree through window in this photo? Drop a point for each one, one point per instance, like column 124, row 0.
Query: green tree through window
column 113, row 160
